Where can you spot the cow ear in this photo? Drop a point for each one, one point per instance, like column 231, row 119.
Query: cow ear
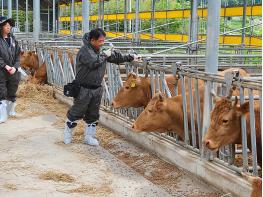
column 132, row 75
column 158, row 96
column 244, row 108
column 161, row 98
column 159, row 105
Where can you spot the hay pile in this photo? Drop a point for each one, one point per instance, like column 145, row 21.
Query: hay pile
column 41, row 93
column 34, row 99
column 87, row 189
column 56, row 176
column 10, row 186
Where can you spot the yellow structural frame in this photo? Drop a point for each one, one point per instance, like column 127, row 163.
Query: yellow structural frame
column 79, row 3
column 173, row 14
column 228, row 39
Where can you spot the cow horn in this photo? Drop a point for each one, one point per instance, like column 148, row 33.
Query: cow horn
column 235, row 102
column 215, row 97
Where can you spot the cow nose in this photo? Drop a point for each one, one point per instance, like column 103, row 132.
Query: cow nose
column 133, row 126
column 207, row 142
column 113, row 103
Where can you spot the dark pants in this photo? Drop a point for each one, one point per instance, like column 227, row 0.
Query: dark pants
column 8, row 85
column 86, row 106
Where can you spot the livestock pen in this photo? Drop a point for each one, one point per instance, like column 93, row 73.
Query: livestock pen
column 199, row 135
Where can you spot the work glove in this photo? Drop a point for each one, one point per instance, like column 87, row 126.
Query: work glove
column 107, row 52
column 137, row 58
column 10, row 70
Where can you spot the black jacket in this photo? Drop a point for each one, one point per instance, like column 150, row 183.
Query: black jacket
column 91, row 64
column 9, row 55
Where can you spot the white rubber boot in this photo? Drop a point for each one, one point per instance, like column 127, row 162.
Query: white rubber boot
column 69, row 126
column 3, row 111
column 90, row 132
column 11, row 108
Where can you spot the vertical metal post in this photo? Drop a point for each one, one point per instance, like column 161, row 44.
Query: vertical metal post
column 26, row 26
column 212, row 47
column 2, row 7
column 253, row 132
column 130, row 21
column 17, row 15
column 117, row 21
column 48, row 19
column 102, row 14
column 54, row 17
column 36, row 19
column 244, row 133
column 125, row 18
column 186, row 131
column 212, row 43
column 108, row 22
column 72, row 17
column 193, row 131
column 152, row 19
column 166, row 19
column 137, row 9
column 244, row 22
column 99, row 13
column 9, row 7
column 85, row 16
column 193, row 21
column 198, row 112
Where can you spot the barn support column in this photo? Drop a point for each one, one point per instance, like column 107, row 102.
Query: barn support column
column 212, row 47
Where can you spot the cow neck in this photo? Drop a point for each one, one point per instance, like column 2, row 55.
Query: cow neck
column 35, row 62
column 147, row 90
column 175, row 110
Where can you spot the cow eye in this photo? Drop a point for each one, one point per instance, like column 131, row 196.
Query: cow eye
column 225, row 121
column 127, row 87
column 150, row 111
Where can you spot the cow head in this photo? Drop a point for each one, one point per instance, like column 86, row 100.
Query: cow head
column 155, row 116
column 29, row 61
column 134, row 93
column 225, row 123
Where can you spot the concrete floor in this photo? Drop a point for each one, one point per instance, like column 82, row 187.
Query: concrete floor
column 32, row 146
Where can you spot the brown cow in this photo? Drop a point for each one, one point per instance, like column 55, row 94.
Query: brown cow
column 69, row 52
column 166, row 115
column 256, row 187
column 256, row 183
column 29, row 61
column 40, row 75
column 225, row 125
column 136, row 91
column 140, row 94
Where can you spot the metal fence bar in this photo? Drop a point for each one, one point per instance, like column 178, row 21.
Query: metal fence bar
column 193, row 131
column 244, row 134
column 253, row 132
column 198, row 112
column 186, row 132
